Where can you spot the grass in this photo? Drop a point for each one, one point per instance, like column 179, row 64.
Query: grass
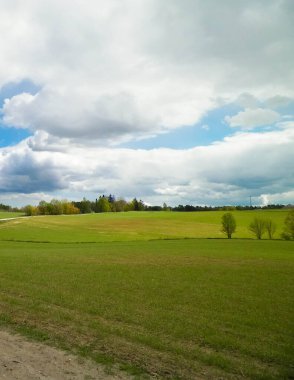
column 132, row 226
column 8, row 214
column 208, row 308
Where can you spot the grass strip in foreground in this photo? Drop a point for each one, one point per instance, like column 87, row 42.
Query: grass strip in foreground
column 178, row 309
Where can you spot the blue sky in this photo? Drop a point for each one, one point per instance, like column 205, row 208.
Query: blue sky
column 10, row 135
column 209, row 129
column 154, row 99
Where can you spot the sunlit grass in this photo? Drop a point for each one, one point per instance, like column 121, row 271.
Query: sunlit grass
column 132, row 226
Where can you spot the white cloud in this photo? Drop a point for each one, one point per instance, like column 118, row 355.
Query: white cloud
column 247, row 100
column 286, row 124
column 282, row 198
column 67, row 115
column 226, row 172
column 278, row 101
column 251, row 118
column 113, row 71
column 15, row 108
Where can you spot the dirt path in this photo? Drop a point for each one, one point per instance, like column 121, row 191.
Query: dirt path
column 17, row 217
column 21, row 359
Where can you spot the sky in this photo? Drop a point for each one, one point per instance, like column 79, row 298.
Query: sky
column 176, row 101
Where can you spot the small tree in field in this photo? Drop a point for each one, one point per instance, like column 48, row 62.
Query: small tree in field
column 270, row 227
column 228, row 224
column 257, row 227
column 288, row 233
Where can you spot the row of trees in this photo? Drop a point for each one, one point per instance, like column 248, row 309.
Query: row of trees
column 227, row 208
column 55, row 207
column 109, row 204
column 102, row 204
column 260, row 226
column 8, row 208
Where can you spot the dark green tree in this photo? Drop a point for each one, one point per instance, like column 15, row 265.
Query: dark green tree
column 85, row 206
column 135, row 204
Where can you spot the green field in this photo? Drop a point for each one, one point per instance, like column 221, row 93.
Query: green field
column 6, row 214
column 132, row 226
column 104, row 287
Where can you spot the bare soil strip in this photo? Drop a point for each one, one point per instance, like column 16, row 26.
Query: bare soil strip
column 26, row 360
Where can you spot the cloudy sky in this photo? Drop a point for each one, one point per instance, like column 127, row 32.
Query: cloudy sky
column 182, row 101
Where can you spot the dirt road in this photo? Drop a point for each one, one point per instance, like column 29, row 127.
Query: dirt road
column 21, row 359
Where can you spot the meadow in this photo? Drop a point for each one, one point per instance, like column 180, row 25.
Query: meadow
column 5, row 214
column 128, row 226
column 151, row 292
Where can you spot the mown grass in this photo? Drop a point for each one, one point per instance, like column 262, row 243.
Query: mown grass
column 179, row 309
column 132, row 226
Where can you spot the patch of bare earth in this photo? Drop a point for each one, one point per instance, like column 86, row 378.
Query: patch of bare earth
column 26, row 360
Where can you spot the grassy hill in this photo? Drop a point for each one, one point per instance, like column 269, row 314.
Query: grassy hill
column 132, row 226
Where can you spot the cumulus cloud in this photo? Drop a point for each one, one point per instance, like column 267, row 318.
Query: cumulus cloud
column 114, row 71
column 247, row 100
column 64, row 115
column 225, row 172
column 24, row 172
column 286, row 124
column 283, row 198
column 106, row 72
column 252, row 118
column 278, row 101
column 14, row 110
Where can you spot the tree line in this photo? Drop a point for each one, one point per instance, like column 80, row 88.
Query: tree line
column 55, row 207
column 112, row 204
column 191, row 208
column 260, row 226
column 8, row 208
column 101, row 204
column 109, row 204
